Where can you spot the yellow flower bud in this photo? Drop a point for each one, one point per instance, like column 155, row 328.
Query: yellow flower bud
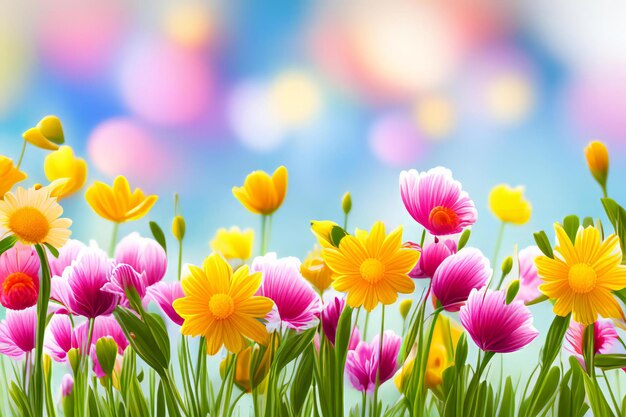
column 63, row 164
column 233, row 243
column 315, row 270
column 405, row 307
column 598, row 161
column 118, row 203
column 48, row 134
column 508, row 204
column 346, row 203
column 322, row 230
column 178, row 227
column 262, row 194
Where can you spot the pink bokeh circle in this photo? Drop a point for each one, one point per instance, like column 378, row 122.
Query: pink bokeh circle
column 121, row 146
column 77, row 39
column 395, row 141
column 167, row 84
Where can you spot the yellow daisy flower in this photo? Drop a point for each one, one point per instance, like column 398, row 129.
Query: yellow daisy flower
column 9, row 175
column 315, row 270
column 262, row 194
column 221, row 306
column 117, row 203
column 372, row 268
column 233, row 243
column 63, row 164
column 32, row 216
column 509, row 205
column 582, row 275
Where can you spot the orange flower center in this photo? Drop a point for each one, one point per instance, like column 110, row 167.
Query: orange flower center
column 443, row 219
column 372, row 270
column 29, row 225
column 19, row 290
column 581, row 278
column 221, row 306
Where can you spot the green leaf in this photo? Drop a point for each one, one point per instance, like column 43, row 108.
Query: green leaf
column 617, row 217
column 547, row 389
column 588, row 221
column 54, row 251
column 158, row 234
column 464, row 239
column 507, row 406
column 554, row 339
column 336, row 234
column 7, row 243
column 461, row 353
column 544, row 243
column 570, row 225
column 610, row 361
column 106, row 352
column 292, row 346
column 302, row 380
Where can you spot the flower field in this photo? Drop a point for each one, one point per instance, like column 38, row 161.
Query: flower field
column 99, row 330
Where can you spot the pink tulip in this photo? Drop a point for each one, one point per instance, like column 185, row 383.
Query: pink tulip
column 80, row 290
column 330, row 319
column 296, row 304
column 362, row 363
column 67, row 385
column 604, row 338
column 164, row 294
column 67, row 254
column 436, row 201
column 458, row 275
column 123, row 277
column 145, row 255
column 432, row 255
column 17, row 332
column 528, row 278
column 494, row 325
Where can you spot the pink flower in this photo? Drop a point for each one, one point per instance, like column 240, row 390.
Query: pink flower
column 494, row 325
column 528, row 278
column 436, row 201
column 362, row 363
column 61, row 337
column 458, row 275
column 19, row 277
column 164, row 294
column 296, row 304
column 432, row 255
column 330, row 319
column 144, row 255
column 123, row 277
column 80, row 288
column 67, row 385
column 17, row 332
column 67, row 254
column 604, row 338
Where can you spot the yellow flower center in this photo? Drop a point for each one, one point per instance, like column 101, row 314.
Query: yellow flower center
column 372, row 270
column 29, row 225
column 443, row 219
column 221, row 306
column 581, row 278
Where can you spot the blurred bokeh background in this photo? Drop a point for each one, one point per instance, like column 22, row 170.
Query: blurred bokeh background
column 188, row 97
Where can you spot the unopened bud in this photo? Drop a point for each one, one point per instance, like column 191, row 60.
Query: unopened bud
column 598, row 161
column 507, row 265
column 178, row 227
column 405, row 307
column 511, row 291
column 346, row 203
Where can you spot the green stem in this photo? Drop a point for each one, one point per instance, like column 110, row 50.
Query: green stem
column 364, row 406
column 110, row 397
column 366, row 325
column 380, row 355
column 263, row 233
column 608, row 385
column 116, row 227
column 42, row 313
column 180, row 260
column 84, row 357
column 496, row 250
column 19, row 161
column 345, row 222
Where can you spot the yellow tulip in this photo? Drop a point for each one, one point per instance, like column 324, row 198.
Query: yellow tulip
column 315, row 270
column 117, row 203
column 48, row 134
column 322, row 230
column 247, row 357
column 598, row 161
column 63, row 164
column 508, row 204
column 233, row 243
column 262, row 194
column 9, row 175
column 446, row 335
